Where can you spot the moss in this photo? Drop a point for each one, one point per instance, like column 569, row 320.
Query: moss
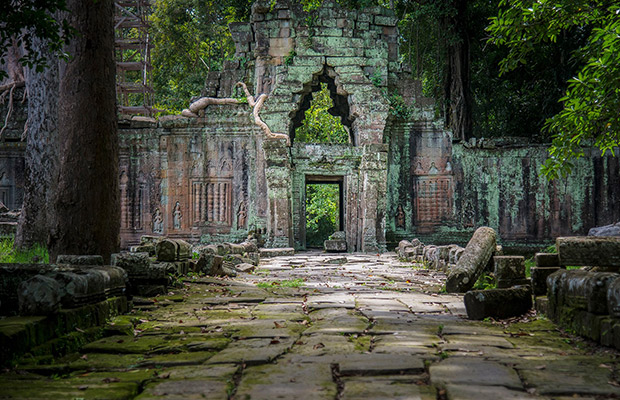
column 361, row 343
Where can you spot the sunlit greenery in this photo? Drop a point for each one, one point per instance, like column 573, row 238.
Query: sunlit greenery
column 36, row 254
column 322, row 212
column 319, row 126
column 590, row 115
column 191, row 39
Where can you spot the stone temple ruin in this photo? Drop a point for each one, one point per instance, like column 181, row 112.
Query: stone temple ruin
column 218, row 176
column 218, row 188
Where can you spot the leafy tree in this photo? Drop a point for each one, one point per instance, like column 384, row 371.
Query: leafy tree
column 322, row 212
column 318, row 125
column 25, row 20
column 191, row 39
column 590, row 106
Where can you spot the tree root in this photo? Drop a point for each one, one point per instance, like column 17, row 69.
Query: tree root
column 256, row 104
column 8, row 88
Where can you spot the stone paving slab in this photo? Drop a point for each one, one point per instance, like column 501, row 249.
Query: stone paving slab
column 287, row 380
column 470, row 392
column 372, row 364
column 401, row 387
column 371, row 328
column 570, row 377
column 474, row 372
column 253, row 351
column 193, row 389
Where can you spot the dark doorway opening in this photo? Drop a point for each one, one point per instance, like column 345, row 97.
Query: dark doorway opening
column 324, row 209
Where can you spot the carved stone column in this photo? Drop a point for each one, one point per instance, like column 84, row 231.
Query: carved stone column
column 278, row 176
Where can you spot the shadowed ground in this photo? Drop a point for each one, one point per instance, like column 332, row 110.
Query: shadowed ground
column 317, row 326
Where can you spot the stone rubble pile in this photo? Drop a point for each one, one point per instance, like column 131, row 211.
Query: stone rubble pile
column 465, row 265
column 441, row 258
column 155, row 264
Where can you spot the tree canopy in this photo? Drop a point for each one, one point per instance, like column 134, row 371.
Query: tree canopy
column 591, row 104
column 23, row 20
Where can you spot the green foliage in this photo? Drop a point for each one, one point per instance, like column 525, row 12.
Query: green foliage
column 484, row 282
column 376, row 78
column 8, row 254
column 26, row 20
column 319, row 126
column 398, row 107
column 190, row 38
column 322, row 212
column 288, row 60
column 590, row 106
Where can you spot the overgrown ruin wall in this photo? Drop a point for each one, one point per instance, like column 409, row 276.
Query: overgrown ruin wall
column 217, row 177
column 446, row 190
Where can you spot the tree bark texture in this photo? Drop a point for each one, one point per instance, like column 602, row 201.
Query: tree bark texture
column 457, row 86
column 86, row 200
column 41, row 150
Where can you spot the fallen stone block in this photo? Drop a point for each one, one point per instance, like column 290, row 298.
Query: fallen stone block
column 11, row 277
column 473, row 261
column 613, row 299
column 115, row 279
column 131, row 261
column 597, row 287
column 151, row 249
column 149, row 239
column 539, row 279
column 79, row 259
column 547, row 260
column 80, row 287
column 498, row 303
column 589, row 251
column 173, row 250
column 276, row 252
column 607, row 230
column 39, row 295
column 335, row 246
column 509, row 271
column 245, row 267
column 402, row 246
column 582, row 290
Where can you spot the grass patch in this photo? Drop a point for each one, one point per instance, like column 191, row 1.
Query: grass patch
column 36, row 254
column 293, row 283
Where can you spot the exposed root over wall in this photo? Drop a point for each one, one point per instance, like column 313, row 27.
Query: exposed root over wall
column 256, row 104
column 5, row 90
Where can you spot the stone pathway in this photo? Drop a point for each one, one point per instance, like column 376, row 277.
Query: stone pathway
column 318, row 326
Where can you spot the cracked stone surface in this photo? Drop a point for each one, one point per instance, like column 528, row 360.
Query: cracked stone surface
column 317, row 326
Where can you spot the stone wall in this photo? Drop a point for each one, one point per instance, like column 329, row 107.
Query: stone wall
column 447, row 190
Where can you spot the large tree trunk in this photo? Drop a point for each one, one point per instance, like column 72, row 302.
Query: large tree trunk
column 41, row 150
column 86, row 216
column 457, row 89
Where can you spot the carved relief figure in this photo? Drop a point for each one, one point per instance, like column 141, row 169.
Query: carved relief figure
column 176, row 216
column 400, row 217
column 242, row 215
column 158, row 222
